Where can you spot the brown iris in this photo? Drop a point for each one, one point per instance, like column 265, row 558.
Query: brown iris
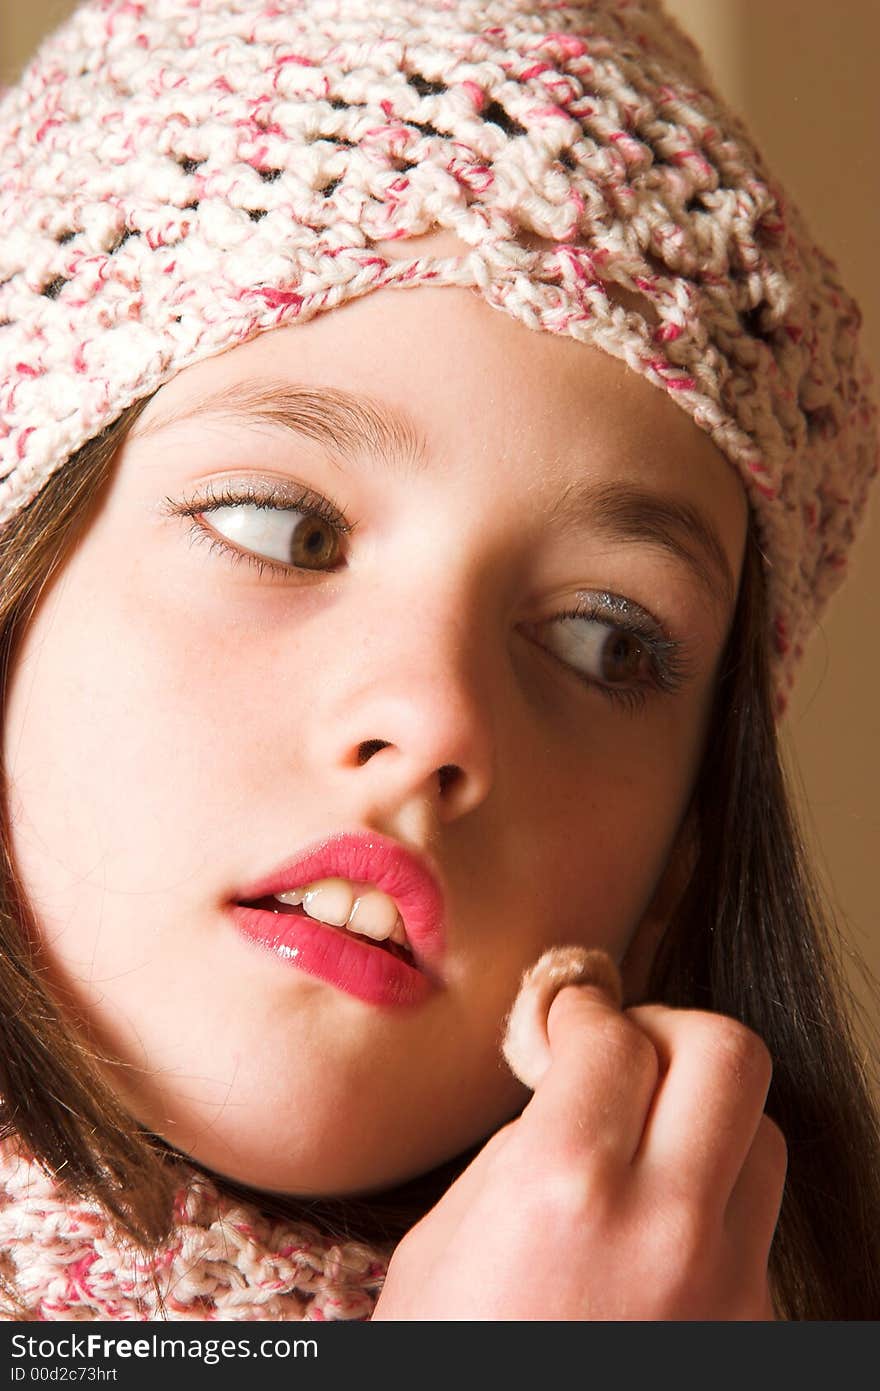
column 315, row 543
column 622, row 657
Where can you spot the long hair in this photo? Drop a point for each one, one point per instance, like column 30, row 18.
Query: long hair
column 750, row 939
column 753, row 939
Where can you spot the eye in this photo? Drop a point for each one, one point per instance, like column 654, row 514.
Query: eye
column 605, row 653
column 279, row 527
column 615, row 646
column 293, row 537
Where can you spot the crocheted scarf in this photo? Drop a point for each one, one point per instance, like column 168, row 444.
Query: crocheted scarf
column 224, row 1259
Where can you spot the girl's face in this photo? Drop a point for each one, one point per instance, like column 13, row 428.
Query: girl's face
column 179, row 724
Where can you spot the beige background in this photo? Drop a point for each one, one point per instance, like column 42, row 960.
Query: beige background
column 803, row 74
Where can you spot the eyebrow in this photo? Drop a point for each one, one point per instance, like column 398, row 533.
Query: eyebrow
column 355, row 427
column 624, row 512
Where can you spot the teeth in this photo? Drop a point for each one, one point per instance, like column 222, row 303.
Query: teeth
column 359, row 907
column 374, row 914
column 329, row 900
column 293, row 896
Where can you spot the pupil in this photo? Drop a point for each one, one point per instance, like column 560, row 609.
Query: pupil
column 313, row 543
column 623, row 655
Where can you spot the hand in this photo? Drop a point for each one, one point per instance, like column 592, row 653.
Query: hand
column 642, row 1181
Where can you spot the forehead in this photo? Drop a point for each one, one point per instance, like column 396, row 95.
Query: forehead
column 457, row 368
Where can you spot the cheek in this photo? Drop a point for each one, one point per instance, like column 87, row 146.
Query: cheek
column 115, row 782
column 600, row 814
column 587, row 842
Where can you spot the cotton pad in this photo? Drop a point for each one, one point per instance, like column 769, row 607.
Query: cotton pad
column 526, row 1048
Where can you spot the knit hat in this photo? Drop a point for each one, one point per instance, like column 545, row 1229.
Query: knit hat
column 177, row 176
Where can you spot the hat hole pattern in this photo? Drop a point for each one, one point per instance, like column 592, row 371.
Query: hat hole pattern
column 124, row 236
column 189, row 166
column 751, row 320
column 822, row 424
column 54, row 288
column 424, row 87
column 495, row 113
column 426, row 128
column 632, row 301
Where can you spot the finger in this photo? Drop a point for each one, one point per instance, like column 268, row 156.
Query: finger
column 525, row 1046
column 595, row 1095
column 756, row 1199
column 710, row 1099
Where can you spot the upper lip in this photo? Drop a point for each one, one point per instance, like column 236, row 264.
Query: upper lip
column 371, row 858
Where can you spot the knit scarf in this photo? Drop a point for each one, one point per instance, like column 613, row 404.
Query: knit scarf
column 224, row 1259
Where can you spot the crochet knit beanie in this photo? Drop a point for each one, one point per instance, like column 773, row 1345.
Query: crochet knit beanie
column 177, row 176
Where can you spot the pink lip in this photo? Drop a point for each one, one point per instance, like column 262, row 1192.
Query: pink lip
column 354, row 965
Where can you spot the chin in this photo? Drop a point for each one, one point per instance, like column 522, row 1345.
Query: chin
column 290, row 1169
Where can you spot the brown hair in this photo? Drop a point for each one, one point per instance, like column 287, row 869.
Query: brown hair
column 750, row 939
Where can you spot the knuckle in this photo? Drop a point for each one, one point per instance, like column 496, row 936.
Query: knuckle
column 575, row 1194
column 623, row 1047
column 774, row 1146
column 740, row 1051
column 565, row 1193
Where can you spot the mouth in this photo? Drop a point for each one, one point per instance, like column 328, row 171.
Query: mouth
column 270, row 904
column 357, row 910
column 373, row 972
column 364, row 885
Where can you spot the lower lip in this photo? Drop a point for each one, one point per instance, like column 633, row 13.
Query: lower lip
column 367, row 972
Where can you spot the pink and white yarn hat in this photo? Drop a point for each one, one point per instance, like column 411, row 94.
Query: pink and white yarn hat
column 177, row 176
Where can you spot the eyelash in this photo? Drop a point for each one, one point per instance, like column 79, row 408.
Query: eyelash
column 670, row 670
column 268, row 496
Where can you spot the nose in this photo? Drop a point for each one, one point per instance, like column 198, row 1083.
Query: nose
column 406, row 716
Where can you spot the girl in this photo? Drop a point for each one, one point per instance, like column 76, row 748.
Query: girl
column 353, row 659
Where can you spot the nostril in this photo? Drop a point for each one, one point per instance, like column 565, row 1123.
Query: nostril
column 369, row 747
column 448, row 774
